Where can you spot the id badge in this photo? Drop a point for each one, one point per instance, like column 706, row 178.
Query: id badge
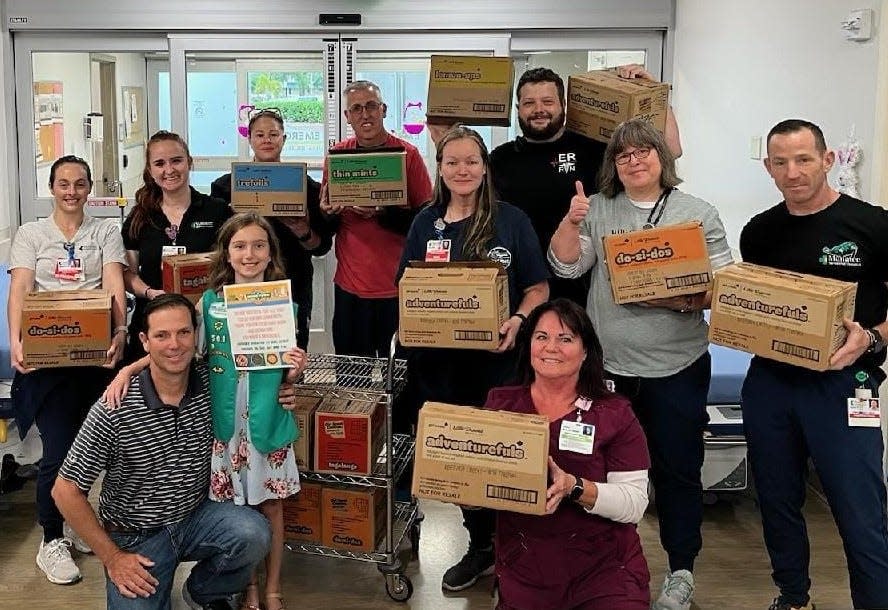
column 864, row 412
column 69, row 269
column 576, row 436
column 173, row 250
column 438, row 250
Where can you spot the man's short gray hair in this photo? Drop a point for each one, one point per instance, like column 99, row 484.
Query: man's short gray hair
column 363, row 85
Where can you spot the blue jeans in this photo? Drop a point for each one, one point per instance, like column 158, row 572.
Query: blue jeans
column 225, row 540
column 672, row 412
column 790, row 414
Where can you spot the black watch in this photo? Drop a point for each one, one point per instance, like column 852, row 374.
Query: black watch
column 577, row 492
column 877, row 342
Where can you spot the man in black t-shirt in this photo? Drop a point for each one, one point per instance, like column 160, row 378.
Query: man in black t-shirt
column 537, row 172
column 791, row 413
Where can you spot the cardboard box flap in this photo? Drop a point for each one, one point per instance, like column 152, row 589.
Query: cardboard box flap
column 195, row 257
column 800, row 282
column 364, row 151
column 458, row 265
column 612, row 80
column 98, row 298
column 442, row 408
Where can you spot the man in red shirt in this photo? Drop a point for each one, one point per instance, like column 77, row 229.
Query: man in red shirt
column 369, row 241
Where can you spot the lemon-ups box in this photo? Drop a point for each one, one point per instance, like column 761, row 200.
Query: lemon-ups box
column 600, row 100
column 353, row 519
column 269, row 189
column 367, row 178
column 786, row 316
column 475, row 457
column 349, row 434
column 302, row 514
column 307, row 402
column 470, row 89
column 655, row 263
column 456, row 305
column 66, row 328
column 186, row 274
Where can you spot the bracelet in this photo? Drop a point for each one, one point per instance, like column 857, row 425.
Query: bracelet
column 520, row 315
column 121, row 329
column 305, row 238
column 147, row 290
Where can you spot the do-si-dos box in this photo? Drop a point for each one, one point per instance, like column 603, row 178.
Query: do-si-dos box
column 186, row 274
column 600, row 100
column 367, row 178
column 269, row 189
column 353, row 519
column 475, row 457
column 665, row 261
column 302, row 514
column 457, row 305
column 66, row 328
column 349, row 434
column 470, row 89
column 307, row 402
column 782, row 315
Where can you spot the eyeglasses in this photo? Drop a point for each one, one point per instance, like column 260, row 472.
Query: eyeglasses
column 255, row 113
column 638, row 153
column 370, row 107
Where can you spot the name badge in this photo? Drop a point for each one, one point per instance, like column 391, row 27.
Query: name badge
column 69, row 269
column 864, row 412
column 172, row 251
column 438, row 250
column 576, row 436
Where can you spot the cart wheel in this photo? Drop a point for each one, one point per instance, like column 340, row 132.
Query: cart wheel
column 399, row 587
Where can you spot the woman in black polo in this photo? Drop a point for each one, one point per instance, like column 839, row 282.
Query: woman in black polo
column 170, row 217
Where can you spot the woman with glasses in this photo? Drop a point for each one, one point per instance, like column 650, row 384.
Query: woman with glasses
column 369, row 241
column 655, row 352
column 66, row 251
column 465, row 222
column 300, row 237
column 170, row 217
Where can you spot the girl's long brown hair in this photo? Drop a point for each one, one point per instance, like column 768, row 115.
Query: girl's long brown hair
column 221, row 273
column 149, row 196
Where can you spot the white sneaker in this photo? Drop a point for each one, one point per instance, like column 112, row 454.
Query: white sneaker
column 678, row 590
column 54, row 559
column 78, row 542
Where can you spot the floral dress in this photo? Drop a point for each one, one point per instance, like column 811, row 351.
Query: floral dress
column 239, row 471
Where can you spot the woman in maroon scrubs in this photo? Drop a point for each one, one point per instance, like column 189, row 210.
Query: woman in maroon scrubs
column 585, row 553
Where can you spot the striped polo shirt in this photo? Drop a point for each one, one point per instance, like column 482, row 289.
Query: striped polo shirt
column 156, row 457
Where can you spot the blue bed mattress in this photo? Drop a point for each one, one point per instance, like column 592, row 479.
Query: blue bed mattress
column 728, row 372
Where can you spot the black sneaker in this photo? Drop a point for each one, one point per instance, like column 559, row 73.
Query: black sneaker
column 781, row 604
column 474, row 564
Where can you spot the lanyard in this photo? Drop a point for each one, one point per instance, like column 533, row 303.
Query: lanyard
column 172, row 232
column 440, row 225
column 69, row 248
column 660, row 205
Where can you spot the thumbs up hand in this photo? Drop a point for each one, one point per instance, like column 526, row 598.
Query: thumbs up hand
column 579, row 206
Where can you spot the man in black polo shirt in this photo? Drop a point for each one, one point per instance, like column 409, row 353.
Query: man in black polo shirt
column 154, row 510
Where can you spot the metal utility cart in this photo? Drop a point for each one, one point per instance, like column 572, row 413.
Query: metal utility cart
column 359, row 378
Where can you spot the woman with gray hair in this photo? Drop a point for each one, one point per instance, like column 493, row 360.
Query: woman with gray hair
column 655, row 352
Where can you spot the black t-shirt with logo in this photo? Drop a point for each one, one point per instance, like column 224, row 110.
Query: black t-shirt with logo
column 846, row 241
column 539, row 179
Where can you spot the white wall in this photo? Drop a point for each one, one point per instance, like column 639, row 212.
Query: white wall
column 130, row 73
column 741, row 66
column 5, row 212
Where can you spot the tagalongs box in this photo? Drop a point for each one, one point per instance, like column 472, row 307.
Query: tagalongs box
column 186, row 274
column 782, row 315
column 349, row 434
column 477, row 457
column 665, row 261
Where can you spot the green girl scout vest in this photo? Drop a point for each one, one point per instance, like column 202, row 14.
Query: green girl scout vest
column 271, row 427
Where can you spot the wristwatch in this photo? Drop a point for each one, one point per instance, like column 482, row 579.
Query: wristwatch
column 877, row 342
column 577, row 492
